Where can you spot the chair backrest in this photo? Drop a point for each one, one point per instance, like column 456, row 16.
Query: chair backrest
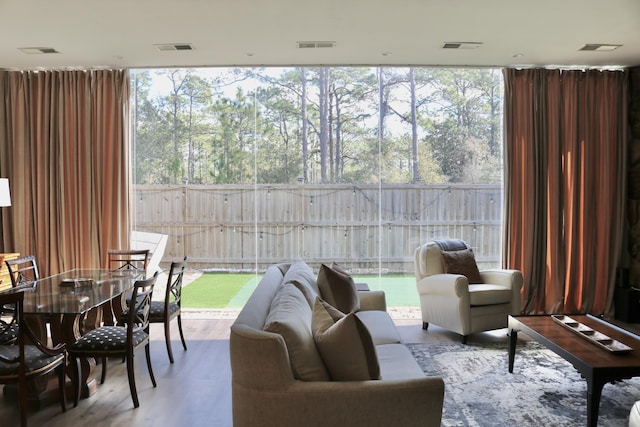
column 128, row 259
column 22, row 270
column 14, row 299
column 173, row 292
column 138, row 315
column 9, row 321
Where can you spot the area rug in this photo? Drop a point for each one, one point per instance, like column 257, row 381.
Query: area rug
column 543, row 390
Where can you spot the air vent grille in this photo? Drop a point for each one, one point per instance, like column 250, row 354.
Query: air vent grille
column 173, row 47
column 315, row 44
column 600, row 47
column 37, row 50
column 461, row 45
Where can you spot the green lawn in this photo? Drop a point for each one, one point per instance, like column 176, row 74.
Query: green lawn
column 231, row 290
column 216, row 290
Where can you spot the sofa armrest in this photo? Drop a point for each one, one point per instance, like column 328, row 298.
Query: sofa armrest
column 408, row 403
column 447, row 285
column 372, row 300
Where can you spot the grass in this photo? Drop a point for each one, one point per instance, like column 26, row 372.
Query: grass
column 215, row 290
column 231, row 290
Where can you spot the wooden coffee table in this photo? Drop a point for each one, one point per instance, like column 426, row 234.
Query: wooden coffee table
column 597, row 366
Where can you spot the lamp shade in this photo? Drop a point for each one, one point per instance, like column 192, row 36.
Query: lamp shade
column 5, row 195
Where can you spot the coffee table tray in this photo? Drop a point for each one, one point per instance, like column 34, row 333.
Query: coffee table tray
column 590, row 334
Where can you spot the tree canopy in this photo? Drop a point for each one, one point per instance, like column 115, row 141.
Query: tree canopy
column 317, row 124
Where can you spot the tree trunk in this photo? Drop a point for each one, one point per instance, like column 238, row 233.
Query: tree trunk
column 305, row 129
column 324, row 122
column 414, row 127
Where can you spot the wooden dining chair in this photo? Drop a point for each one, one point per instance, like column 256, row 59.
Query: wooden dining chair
column 123, row 259
column 119, row 341
column 170, row 308
column 132, row 259
column 22, row 270
column 21, row 361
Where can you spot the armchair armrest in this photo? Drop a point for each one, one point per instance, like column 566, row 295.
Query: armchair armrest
column 508, row 278
column 448, row 285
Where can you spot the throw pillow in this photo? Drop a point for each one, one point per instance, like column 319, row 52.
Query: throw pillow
column 345, row 344
column 290, row 316
column 461, row 262
column 338, row 289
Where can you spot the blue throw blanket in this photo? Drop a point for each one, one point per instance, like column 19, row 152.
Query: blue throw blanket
column 451, row 245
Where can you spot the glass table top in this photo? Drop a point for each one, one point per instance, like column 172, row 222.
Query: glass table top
column 77, row 291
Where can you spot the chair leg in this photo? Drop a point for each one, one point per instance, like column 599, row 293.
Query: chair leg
column 104, row 370
column 184, row 343
column 22, row 394
column 167, row 338
column 132, row 381
column 75, row 364
column 61, row 386
column 464, row 339
column 147, row 352
column 425, row 325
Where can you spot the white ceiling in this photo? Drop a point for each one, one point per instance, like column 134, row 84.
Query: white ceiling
column 123, row 33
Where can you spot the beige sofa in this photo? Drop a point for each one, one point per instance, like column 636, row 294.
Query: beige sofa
column 267, row 390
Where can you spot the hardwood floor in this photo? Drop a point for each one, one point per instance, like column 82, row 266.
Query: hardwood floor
column 194, row 391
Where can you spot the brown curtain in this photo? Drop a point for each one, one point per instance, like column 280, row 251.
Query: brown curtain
column 565, row 188
column 64, row 145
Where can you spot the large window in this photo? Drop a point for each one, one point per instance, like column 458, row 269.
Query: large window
column 243, row 167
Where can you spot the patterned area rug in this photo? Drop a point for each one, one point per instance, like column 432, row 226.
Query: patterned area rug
column 544, row 389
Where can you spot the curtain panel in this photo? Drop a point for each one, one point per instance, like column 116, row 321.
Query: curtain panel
column 64, row 145
column 565, row 186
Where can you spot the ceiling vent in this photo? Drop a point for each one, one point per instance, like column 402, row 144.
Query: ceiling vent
column 315, row 45
column 600, row 47
column 37, row 50
column 173, row 47
column 461, row 45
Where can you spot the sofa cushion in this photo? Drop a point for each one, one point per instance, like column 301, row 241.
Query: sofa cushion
column 486, row 294
column 301, row 275
column 380, row 326
column 461, row 262
column 290, row 316
column 397, row 363
column 345, row 345
column 338, row 289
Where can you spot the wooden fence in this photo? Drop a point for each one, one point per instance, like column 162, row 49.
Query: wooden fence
column 366, row 228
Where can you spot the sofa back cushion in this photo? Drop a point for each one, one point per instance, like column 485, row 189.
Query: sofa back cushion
column 290, row 316
column 301, row 275
column 255, row 311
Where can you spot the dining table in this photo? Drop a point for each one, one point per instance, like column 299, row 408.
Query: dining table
column 71, row 304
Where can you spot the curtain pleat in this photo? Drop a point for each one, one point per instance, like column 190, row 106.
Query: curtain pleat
column 65, row 149
column 565, row 187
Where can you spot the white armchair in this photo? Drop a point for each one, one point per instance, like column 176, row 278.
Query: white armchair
column 449, row 301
